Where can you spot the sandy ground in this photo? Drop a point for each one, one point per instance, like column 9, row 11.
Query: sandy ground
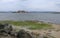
column 54, row 32
column 57, row 32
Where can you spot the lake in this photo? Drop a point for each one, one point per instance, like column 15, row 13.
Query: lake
column 47, row 17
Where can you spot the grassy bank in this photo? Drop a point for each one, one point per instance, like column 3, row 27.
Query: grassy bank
column 30, row 24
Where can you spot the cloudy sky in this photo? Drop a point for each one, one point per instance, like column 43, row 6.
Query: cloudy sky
column 30, row 5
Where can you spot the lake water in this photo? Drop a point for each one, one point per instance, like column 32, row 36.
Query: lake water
column 47, row 17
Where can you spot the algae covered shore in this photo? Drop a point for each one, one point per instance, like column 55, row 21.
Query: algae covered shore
column 30, row 24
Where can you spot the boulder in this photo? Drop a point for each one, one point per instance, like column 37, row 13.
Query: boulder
column 5, row 28
column 24, row 34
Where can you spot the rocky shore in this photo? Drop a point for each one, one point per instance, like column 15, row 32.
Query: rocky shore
column 11, row 31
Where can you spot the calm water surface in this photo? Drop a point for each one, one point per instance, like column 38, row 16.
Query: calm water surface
column 47, row 17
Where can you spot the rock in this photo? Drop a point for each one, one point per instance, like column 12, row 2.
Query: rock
column 5, row 28
column 23, row 34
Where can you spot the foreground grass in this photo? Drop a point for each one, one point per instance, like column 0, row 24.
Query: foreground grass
column 30, row 24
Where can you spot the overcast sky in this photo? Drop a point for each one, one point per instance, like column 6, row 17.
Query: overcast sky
column 30, row 5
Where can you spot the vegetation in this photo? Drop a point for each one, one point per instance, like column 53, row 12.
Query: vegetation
column 30, row 24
